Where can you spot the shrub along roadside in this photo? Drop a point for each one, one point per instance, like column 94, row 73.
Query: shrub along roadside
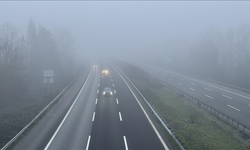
column 191, row 127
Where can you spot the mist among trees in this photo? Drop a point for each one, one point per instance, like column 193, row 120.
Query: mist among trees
column 24, row 57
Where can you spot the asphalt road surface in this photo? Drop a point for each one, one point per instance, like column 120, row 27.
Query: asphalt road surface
column 231, row 102
column 85, row 119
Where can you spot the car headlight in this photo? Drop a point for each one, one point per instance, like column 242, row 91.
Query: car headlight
column 103, row 93
column 111, row 93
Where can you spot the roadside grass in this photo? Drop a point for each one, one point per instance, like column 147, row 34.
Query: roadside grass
column 192, row 127
column 15, row 117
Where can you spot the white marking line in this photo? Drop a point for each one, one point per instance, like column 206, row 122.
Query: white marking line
column 110, row 76
column 113, row 84
column 162, row 76
column 115, row 91
column 96, row 101
column 233, row 107
column 248, row 105
column 151, row 123
column 112, row 80
column 120, row 116
column 65, row 117
column 93, row 118
column 97, row 91
column 207, row 89
column 192, row 83
column 227, row 96
column 117, row 101
column 169, row 79
column 179, row 83
column 192, row 89
column 87, row 147
column 99, row 80
column 98, row 84
column 209, row 97
column 125, row 142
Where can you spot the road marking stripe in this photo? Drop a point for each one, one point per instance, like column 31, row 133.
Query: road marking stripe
column 110, row 76
column 209, row 85
column 227, row 96
column 59, row 127
column 117, row 101
column 113, row 84
column 87, row 147
column 169, row 79
column 125, row 142
column 192, row 83
column 112, row 80
column 97, row 91
column 209, row 97
column 93, row 118
column 233, row 107
column 96, row 101
column 145, row 113
column 207, row 89
column 192, row 89
column 99, row 80
column 179, row 83
column 98, row 84
column 120, row 116
column 115, row 91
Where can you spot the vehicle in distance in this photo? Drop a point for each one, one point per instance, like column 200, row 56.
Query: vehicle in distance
column 107, row 91
column 105, row 71
column 95, row 66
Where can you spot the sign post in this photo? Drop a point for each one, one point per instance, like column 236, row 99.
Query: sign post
column 48, row 77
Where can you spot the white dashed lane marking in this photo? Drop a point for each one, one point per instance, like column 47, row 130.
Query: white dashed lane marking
column 93, row 118
column 227, row 96
column 179, row 83
column 207, row 89
column 192, row 89
column 192, row 83
column 209, row 97
column 120, row 116
column 117, row 101
column 115, row 91
column 97, row 91
column 233, row 107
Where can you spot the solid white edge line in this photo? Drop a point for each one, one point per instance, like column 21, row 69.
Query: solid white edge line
column 145, row 113
column 59, row 127
column 113, row 84
column 87, row 146
column 125, row 142
column 97, row 91
column 117, row 101
column 233, row 107
column 209, row 96
column 96, row 101
column 227, row 96
column 120, row 116
column 93, row 118
column 115, row 91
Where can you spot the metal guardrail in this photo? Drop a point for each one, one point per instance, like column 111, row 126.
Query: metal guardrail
column 154, row 111
column 37, row 116
column 245, row 129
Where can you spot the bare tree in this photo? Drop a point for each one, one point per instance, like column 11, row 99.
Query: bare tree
column 12, row 60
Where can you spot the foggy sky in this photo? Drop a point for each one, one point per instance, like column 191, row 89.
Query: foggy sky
column 122, row 28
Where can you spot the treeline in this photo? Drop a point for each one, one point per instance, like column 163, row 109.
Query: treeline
column 221, row 55
column 23, row 59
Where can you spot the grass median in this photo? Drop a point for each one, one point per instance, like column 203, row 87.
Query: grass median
column 192, row 127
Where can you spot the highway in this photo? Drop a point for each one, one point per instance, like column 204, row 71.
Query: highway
column 231, row 102
column 85, row 119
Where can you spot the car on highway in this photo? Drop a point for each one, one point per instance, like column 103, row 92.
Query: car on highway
column 105, row 71
column 107, row 91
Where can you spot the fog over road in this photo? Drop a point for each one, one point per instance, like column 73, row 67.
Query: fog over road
column 94, row 121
